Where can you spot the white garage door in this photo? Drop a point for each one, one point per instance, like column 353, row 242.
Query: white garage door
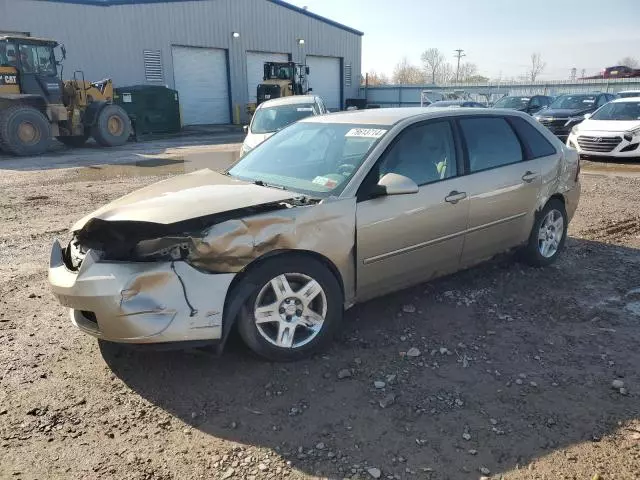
column 255, row 69
column 324, row 79
column 201, row 80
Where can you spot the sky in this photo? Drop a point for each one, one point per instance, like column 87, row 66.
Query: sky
column 499, row 36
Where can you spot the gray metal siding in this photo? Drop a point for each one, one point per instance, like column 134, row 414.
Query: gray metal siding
column 109, row 41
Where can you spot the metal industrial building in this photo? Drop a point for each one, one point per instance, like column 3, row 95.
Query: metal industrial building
column 211, row 51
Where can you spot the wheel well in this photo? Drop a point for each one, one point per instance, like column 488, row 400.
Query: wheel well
column 558, row 196
column 279, row 253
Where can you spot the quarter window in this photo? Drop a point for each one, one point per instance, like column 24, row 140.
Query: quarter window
column 424, row 153
column 538, row 146
column 491, row 142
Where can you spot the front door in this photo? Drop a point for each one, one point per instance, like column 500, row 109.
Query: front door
column 502, row 190
column 406, row 239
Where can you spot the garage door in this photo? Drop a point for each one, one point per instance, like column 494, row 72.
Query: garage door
column 324, row 78
column 255, row 69
column 201, row 80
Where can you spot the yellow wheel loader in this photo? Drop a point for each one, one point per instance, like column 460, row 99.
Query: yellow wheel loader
column 36, row 104
column 281, row 79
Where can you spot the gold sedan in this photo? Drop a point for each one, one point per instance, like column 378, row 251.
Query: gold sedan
column 330, row 211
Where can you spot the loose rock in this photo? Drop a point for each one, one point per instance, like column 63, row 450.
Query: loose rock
column 344, row 373
column 387, row 401
column 466, row 436
column 409, row 308
column 485, row 471
column 379, row 384
column 413, row 352
column 374, row 472
column 617, row 384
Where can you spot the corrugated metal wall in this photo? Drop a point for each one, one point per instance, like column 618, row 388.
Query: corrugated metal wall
column 109, row 41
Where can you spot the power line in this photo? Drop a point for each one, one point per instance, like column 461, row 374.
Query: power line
column 459, row 54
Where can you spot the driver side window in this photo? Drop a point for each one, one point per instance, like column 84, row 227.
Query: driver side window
column 424, row 153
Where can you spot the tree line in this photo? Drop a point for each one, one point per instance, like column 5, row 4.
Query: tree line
column 436, row 69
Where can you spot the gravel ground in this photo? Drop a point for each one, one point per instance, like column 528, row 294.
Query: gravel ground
column 499, row 371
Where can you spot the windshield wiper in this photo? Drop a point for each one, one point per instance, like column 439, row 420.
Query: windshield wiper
column 260, row 183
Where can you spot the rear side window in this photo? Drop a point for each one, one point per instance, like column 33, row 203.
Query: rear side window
column 536, row 144
column 491, row 143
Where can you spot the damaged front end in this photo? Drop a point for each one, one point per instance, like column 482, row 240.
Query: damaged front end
column 136, row 281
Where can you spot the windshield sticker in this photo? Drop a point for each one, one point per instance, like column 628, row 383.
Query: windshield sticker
column 325, row 182
column 366, row 132
column 305, row 109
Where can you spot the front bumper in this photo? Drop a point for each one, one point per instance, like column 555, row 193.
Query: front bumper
column 140, row 302
column 604, row 144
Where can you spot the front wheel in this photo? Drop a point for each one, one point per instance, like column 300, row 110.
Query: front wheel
column 113, row 127
column 294, row 309
column 548, row 235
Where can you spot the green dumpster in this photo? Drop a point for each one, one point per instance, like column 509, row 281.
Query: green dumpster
column 152, row 108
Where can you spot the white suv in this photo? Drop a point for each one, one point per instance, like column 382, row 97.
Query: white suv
column 273, row 115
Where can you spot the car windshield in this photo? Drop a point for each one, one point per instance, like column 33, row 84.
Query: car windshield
column 574, row 102
column 512, row 102
column 315, row 159
column 272, row 119
column 618, row 111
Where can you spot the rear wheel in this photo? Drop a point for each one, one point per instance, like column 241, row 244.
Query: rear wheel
column 24, row 131
column 113, row 127
column 548, row 235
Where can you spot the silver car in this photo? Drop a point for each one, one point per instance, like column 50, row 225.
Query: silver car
column 331, row 211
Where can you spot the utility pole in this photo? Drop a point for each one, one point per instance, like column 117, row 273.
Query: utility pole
column 459, row 54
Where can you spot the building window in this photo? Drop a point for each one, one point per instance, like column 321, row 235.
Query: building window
column 153, row 66
column 347, row 75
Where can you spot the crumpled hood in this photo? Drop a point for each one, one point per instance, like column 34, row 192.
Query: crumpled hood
column 252, row 140
column 184, row 197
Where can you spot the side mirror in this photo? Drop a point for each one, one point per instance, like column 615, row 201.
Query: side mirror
column 245, row 129
column 394, row 184
column 63, row 49
column 587, row 115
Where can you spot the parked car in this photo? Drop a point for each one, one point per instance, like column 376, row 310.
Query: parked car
column 566, row 111
column 456, row 104
column 612, row 131
column 274, row 115
column 331, row 211
column 629, row 94
column 527, row 104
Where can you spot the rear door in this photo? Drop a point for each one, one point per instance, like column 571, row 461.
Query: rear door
column 502, row 187
column 406, row 239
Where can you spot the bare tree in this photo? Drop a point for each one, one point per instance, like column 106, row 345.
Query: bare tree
column 629, row 62
column 407, row 74
column 376, row 78
column 537, row 66
column 467, row 70
column 433, row 60
column 446, row 74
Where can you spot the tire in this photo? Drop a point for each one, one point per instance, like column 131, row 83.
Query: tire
column 24, row 131
column 76, row 141
column 112, row 128
column 269, row 338
column 544, row 243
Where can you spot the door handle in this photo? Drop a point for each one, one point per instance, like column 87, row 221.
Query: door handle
column 455, row 196
column 529, row 176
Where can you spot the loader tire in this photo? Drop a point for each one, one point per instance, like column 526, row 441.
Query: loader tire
column 113, row 127
column 24, row 131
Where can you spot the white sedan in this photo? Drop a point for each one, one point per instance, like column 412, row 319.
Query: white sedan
column 612, row 131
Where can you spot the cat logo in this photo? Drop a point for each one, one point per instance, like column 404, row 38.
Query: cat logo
column 8, row 80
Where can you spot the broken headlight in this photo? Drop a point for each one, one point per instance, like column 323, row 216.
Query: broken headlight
column 162, row 249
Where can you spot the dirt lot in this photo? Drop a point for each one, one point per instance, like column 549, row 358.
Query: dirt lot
column 514, row 376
